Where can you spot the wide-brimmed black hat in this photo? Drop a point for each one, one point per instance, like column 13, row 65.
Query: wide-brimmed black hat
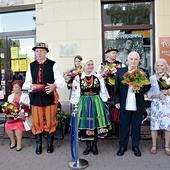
column 111, row 49
column 41, row 45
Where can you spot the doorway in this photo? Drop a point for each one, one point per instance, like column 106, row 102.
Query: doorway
column 15, row 55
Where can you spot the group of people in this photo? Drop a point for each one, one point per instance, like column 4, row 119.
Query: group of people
column 93, row 93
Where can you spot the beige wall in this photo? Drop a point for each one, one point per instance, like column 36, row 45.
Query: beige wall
column 79, row 22
column 70, row 22
column 162, row 21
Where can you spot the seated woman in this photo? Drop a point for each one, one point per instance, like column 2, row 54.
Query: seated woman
column 16, row 127
column 160, row 110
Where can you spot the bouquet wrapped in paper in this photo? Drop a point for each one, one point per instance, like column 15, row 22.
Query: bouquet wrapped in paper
column 108, row 72
column 164, row 81
column 136, row 77
column 16, row 111
column 70, row 75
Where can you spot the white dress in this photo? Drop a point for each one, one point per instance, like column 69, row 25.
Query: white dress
column 160, row 109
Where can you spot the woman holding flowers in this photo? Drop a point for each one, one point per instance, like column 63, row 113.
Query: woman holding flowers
column 15, row 127
column 70, row 74
column 160, row 105
column 108, row 70
column 90, row 93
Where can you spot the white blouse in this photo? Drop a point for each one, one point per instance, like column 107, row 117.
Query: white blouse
column 154, row 86
column 75, row 95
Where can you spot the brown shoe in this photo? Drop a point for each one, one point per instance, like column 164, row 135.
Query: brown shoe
column 167, row 152
column 153, row 150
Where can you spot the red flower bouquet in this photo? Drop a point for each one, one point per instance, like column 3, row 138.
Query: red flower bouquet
column 136, row 77
column 16, row 111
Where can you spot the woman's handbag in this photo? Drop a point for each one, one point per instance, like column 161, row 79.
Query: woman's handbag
column 28, row 123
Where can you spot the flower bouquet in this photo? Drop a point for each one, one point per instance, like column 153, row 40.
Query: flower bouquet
column 136, row 77
column 16, row 111
column 109, row 73
column 70, row 75
column 164, row 81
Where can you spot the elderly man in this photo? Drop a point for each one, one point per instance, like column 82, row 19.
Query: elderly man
column 131, row 106
column 43, row 78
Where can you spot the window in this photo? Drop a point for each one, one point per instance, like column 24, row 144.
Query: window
column 129, row 27
column 17, row 21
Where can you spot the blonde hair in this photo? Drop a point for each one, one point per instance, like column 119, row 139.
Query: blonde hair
column 164, row 62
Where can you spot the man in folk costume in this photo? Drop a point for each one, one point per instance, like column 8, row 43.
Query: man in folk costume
column 111, row 53
column 43, row 78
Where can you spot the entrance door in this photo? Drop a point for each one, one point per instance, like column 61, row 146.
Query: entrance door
column 2, row 66
column 15, row 55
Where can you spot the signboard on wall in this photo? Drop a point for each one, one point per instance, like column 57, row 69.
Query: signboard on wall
column 164, row 45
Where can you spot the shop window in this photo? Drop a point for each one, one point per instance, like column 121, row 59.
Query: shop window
column 127, row 14
column 129, row 27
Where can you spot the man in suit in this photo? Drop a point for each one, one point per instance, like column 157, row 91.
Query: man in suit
column 131, row 106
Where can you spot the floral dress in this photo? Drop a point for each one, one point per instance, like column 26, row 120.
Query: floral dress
column 90, row 93
column 160, row 109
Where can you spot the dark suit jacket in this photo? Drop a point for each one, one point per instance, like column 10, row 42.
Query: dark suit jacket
column 120, row 92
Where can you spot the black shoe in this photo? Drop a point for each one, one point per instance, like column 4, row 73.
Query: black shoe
column 121, row 151
column 50, row 149
column 136, row 152
column 18, row 149
column 12, row 147
column 88, row 148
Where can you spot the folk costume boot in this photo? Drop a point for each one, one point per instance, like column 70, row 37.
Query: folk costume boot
column 94, row 147
column 38, row 138
column 88, row 148
column 50, row 139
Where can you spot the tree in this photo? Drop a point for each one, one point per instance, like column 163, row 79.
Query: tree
column 128, row 14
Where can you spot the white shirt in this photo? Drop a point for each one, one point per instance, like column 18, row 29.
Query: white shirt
column 76, row 91
column 58, row 79
column 130, row 99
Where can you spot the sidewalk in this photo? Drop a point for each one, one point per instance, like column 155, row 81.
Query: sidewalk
column 59, row 159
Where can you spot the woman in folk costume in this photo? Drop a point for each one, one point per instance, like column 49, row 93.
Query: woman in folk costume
column 90, row 93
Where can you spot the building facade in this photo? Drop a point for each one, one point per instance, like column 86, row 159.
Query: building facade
column 84, row 27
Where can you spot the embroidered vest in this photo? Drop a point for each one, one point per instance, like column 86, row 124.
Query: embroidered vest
column 42, row 98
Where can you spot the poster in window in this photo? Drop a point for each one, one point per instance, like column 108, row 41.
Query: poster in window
column 164, row 45
column 14, row 52
column 126, row 43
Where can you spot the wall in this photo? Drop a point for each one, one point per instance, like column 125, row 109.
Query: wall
column 79, row 22
column 70, row 22
column 162, row 21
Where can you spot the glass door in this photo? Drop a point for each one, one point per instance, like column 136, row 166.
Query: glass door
column 21, row 54
column 2, row 66
column 15, row 55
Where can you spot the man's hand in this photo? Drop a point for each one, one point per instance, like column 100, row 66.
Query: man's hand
column 33, row 87
column 117, row 105
column 50, row 88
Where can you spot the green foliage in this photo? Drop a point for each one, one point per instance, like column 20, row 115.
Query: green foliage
column 134, row 13
column 62, row 116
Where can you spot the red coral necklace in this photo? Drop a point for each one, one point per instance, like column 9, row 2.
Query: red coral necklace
column 89, row 82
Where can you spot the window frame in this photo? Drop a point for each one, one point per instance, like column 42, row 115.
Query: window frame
column 129, row 27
